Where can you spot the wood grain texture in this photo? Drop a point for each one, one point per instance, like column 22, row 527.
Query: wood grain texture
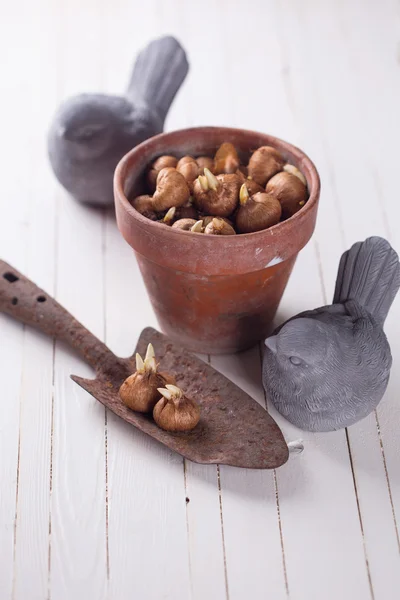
column 207, row 551
column 322, row 75
column 78, row 544
column 32, row 510
column 15, row 342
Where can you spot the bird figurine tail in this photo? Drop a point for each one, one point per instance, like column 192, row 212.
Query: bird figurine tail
column 159, row 71
column 370, row 274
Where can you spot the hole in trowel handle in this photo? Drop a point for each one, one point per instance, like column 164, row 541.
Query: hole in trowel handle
column 11, row 277
column 41, row 298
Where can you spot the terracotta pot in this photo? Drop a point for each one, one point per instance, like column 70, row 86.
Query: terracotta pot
column 213, row 294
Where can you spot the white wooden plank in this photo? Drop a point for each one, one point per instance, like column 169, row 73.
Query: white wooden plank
column 78, row 511
column 147, row 515
column 32, row 512
column 78, row 558
column 11, row 361
column 383, row 129
column 249, row 502
column 316, row 494
column 11, row 371
column 14, row 228
column 344, row 123
column 205, row 532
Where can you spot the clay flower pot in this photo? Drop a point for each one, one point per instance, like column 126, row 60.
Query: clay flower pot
column 213, row 294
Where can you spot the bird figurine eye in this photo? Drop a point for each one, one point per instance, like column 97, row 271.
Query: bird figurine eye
column 88, row 132
column 295, row 360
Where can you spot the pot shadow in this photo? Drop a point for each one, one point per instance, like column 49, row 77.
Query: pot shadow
column 109, row 211
column 248, row 324
column 91, row 208
column 281, row 317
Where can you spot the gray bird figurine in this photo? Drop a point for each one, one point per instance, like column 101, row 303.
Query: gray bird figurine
column 91, row 132
column 326, row 369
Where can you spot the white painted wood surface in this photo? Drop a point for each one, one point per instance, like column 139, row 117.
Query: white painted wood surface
column 90, row 508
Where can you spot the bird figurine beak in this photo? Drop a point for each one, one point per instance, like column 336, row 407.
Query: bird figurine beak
column 271, row 343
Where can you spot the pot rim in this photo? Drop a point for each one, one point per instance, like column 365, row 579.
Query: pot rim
column 307, row 167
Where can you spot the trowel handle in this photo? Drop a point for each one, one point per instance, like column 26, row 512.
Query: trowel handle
column 23, row 300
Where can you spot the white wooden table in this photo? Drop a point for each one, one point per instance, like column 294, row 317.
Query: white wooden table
column 90, row 508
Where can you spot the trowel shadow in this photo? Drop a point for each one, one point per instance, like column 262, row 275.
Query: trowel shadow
column 259, row 484
column 248, row 484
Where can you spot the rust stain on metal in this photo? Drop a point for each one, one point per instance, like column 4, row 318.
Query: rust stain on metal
column 233, row 428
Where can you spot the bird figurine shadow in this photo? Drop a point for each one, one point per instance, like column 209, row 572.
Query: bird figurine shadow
column 327, row 368
column 90, row 133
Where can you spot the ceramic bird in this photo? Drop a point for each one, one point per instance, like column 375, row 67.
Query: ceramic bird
column 326, row 369
column 91, row 132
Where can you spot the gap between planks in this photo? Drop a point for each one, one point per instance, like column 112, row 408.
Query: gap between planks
column 18, row 464
column 51, row 471
column 359, row 515
column 187, row 500
column 55, row 292
column 221, row 516
column 278, row 510
column 104, row 260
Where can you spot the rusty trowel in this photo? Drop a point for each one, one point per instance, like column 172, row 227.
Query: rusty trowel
column 234, row 429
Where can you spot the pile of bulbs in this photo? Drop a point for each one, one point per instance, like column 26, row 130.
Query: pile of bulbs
column 149, row 391
column 219, row 196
